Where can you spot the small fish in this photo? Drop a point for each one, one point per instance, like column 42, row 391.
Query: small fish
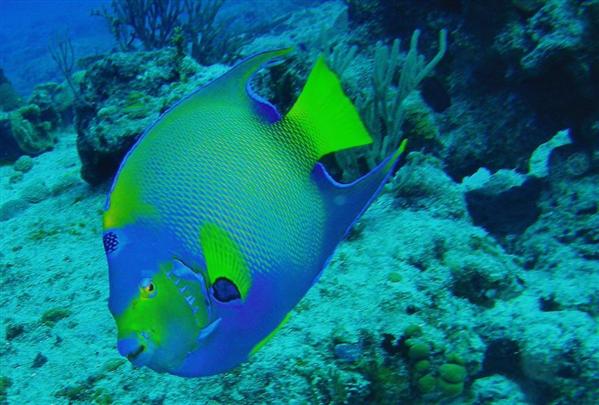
column 221, row 218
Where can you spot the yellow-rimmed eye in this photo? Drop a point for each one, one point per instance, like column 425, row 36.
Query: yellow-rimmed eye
column 147, row 288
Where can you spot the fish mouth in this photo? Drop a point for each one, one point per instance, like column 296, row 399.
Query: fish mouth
column 138, row 353
column 134, row 354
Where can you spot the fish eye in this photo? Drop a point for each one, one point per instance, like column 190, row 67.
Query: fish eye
column 147, row 288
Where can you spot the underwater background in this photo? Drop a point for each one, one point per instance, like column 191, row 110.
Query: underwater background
column 473, row 278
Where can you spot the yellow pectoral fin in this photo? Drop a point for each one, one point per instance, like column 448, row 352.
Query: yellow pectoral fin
column 224, row 259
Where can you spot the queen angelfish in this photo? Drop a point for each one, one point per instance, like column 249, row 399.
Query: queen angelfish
column 221, row 218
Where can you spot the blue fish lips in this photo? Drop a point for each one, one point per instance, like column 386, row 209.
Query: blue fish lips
column 137, row 351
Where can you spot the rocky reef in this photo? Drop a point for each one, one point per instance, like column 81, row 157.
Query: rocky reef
column 517, row 72
column 121, row 95
column 30, row 128
column 473, row 278
column 9, row 99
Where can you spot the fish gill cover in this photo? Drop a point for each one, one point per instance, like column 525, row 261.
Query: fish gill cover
column 473, row 277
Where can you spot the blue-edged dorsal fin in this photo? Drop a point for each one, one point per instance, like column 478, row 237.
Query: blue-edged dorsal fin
column 345, row 203
column 233, row 88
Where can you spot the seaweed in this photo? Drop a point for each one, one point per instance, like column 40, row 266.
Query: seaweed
column 52, row 316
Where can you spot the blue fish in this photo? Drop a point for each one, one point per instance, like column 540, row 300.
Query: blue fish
column 221, row 218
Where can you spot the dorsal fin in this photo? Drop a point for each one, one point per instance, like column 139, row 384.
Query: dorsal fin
column 326, row 115
column 233, row 88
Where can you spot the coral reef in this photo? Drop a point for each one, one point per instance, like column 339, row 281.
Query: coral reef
column 156, row 24
column 383, row 108
column 10, row 148
column 473, row 278
column 9, row 99
column 504, row 202
column 55, row 102
column 23, row 164
column 121, row 95
column 25, row 131
column 423, row 184
column 31, row 128
column 527, row 69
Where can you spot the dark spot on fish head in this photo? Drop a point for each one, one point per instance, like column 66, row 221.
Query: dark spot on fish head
column 111, row 242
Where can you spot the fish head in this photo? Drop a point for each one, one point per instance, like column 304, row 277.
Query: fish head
column 160, row 305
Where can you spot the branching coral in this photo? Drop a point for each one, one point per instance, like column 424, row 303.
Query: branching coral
column 151, row 22
column 61, row 50
column 210, row 42
column 154, row 24
column 383, row 109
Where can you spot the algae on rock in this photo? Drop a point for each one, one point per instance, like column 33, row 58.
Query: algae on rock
column 24, row 132
column 122, row 94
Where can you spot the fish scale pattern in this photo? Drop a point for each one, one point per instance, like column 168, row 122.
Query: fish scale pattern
column 249, row 177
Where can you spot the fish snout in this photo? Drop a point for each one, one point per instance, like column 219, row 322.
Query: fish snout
column 134, row 350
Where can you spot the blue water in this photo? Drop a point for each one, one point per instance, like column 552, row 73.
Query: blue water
column 472, row 278
column 26, row 27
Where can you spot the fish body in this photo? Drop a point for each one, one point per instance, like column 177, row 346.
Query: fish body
column 220, row 219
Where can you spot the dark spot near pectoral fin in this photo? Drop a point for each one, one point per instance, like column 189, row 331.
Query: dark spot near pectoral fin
column 224, row 290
